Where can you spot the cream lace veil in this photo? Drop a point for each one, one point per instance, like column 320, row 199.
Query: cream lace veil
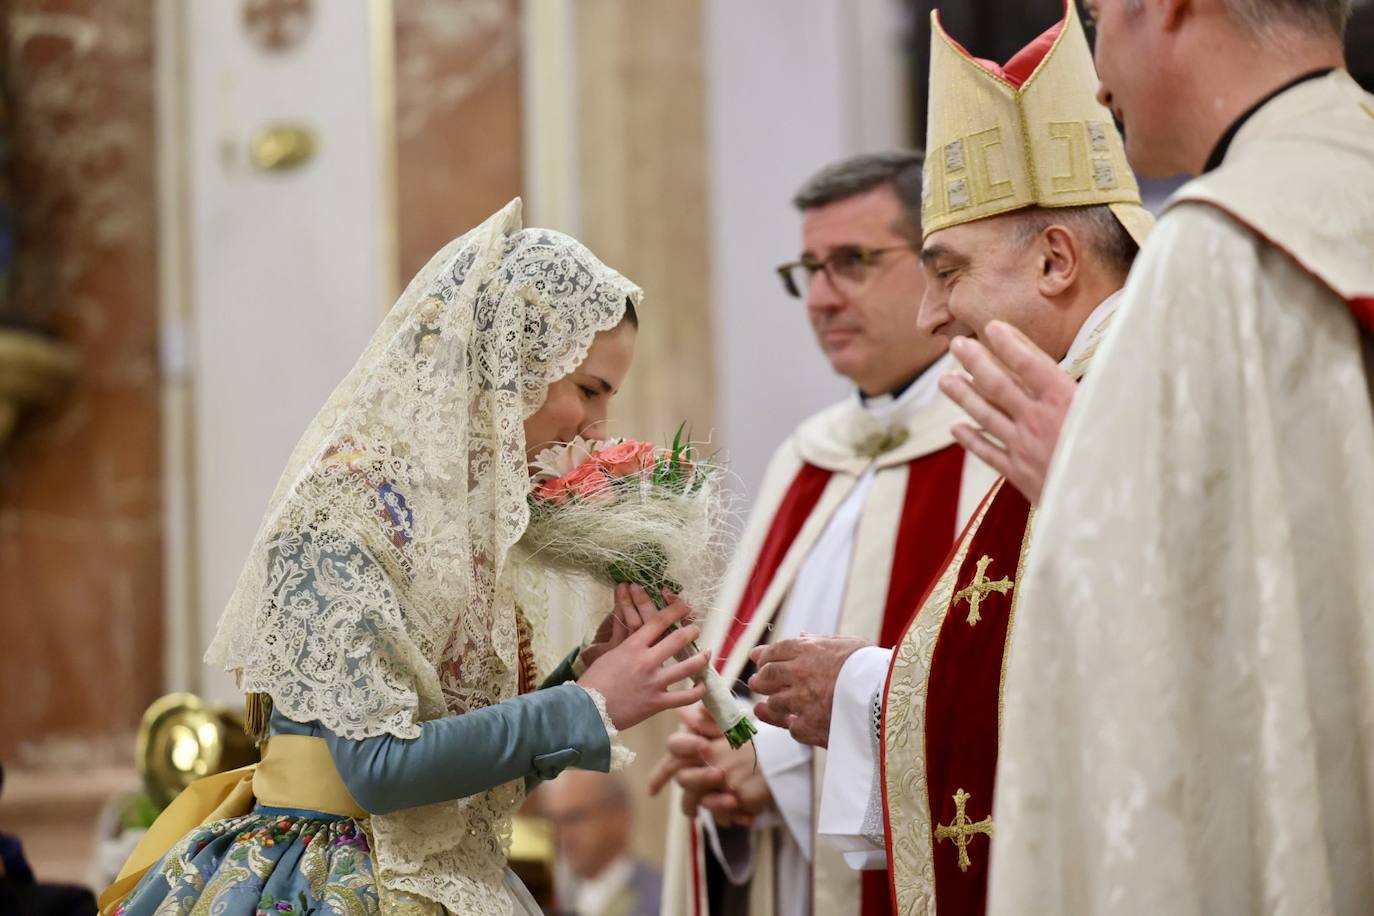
column 378, row 593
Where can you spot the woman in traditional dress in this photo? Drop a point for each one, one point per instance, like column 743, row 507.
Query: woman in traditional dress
column 385, row 625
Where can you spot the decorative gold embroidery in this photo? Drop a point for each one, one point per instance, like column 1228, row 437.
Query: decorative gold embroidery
column 1367, row 110
column 226, row 879
column 1074, row 135
column 1011, row 623
column 963, row 829
column 314, row 865
column 985, row 187
column 346, row 900
column 875, row 444
column 909, row 817
column 979, row 587
column 1099, row 334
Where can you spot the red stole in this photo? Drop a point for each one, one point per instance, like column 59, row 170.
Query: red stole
column 930, row 512
column 923, row 536
column 963, row 701
column 1363, row 308
column 796, row 507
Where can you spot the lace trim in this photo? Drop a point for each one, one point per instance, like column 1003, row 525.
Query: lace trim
column 621, row 756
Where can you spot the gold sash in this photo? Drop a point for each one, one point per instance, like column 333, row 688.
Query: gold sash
column 296, row 771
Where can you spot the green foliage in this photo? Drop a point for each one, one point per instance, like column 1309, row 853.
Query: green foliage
column 139, row 812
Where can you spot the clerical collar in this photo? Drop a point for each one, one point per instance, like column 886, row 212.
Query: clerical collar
column 895, row 393
column 1224, row 144
column 911, row 397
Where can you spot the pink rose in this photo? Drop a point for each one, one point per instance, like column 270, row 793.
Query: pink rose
column 587, row 482
column 625, row 459
column 552, row 492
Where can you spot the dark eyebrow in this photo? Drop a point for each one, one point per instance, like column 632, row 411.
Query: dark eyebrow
column 845, row 246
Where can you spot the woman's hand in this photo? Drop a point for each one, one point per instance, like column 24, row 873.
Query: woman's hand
column 634, row 676
column 625, row 617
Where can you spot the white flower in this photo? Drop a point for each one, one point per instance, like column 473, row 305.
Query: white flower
column 563, row 458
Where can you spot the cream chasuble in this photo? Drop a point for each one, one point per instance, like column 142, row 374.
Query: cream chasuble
column 1189, row 722
column 880, row 472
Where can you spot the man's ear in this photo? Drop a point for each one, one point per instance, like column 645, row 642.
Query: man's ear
column 1061, row 256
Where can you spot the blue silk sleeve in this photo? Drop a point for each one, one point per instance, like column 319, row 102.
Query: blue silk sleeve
column 532, row 737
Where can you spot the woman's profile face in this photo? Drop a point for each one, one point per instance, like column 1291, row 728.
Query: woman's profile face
column 578, row 402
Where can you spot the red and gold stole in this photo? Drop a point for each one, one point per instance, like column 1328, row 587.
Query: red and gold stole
column 942, row 715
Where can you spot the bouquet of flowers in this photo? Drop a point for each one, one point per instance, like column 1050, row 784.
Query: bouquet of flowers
column 627, row 511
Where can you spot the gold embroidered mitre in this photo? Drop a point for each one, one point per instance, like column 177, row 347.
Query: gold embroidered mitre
column 1028, row 133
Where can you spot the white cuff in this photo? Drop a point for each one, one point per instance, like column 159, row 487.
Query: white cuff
column 851, row 795
column 621, row 756
column 786, row 766
column 866, row 861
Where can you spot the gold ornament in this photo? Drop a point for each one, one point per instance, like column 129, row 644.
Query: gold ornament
column 183, row 738
column 963, row 829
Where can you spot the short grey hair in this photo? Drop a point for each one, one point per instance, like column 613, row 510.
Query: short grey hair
column 1097, row 226
column 899, row 169
column 1260, row 16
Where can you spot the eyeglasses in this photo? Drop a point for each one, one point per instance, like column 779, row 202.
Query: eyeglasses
column 848, row 267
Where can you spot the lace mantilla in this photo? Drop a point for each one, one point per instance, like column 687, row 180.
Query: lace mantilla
column 378, row 593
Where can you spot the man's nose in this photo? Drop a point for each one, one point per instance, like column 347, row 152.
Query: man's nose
column 1103, row 96
column 934, row 311
column 822, row 295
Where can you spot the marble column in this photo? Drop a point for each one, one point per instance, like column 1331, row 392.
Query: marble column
column 643, row 199
column 80, row 531
column 458, row 128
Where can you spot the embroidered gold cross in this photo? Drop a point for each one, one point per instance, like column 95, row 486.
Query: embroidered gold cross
column 963, row 829
column 979, row 587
